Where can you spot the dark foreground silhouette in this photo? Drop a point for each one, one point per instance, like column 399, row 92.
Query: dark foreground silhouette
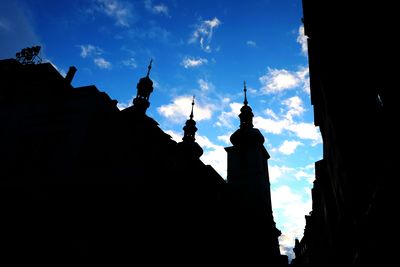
column 82, row 181
column 352, row 222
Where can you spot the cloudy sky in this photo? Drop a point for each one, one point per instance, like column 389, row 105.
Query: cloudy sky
column 202, row 48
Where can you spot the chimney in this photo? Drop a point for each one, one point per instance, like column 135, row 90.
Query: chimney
column 70, row 75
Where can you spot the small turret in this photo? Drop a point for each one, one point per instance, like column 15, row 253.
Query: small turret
column 144, row 89
column 246, row 134
column 188, row 146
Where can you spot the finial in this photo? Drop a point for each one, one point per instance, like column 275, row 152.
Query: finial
column 149, row 68
column 191, row 114
column 245, row 96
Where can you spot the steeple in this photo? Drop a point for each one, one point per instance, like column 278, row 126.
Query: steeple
column 144, row 89
column 247, row 134
column 188, row 145
column 248, row 178
column 245, row 95
column 246, row 114
column 190, row 129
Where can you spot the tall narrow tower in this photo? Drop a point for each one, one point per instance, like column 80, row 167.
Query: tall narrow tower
column 248, row 179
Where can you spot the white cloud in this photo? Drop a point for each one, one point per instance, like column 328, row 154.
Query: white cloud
column 293, row 207
column 279, row 80
column 179, row 110
column 288, row 147
column 174, row 135
column 275, row 81
column 102, row 63
column 305, row 130
column 286, row 244
column 302, row 40
column 205, row 143
column 226, row 100
column 90, row 50
column 118, row 10
column 276, row 172
column 130, row 62
column 217, row 158
column 310, row 166
column 251, row 43
column 124, row 104
column 205, row 85
column 161, row 9
column 310, row 177
column 157, row 9
column 284, row 122
column 188, row 62
column 225, row 119
column 295, row 105
column 271, row 113
column 251, row 90
column 213, row 155
column 225, row 139
column 270, row 125
column 304, row 76
column 204, row 33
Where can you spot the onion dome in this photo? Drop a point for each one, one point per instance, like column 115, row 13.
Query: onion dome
column 247, row 134
column 144, row 89
column 188, row 145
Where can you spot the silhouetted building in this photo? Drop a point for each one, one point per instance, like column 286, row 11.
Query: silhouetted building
column 82, row 181
column 352, row 92
column 248, row 181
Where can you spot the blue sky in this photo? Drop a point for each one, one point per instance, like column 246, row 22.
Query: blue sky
column 202, row 48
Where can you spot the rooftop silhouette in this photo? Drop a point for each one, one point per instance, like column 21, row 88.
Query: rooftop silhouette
column 87, row 182
column 82, row 181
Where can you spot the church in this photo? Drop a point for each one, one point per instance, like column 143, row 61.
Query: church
column 82, row 181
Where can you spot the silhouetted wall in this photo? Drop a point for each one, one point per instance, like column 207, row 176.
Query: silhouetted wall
column 82, row 181
column 353, row 98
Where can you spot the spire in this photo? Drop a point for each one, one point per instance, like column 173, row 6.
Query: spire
column 145, row 85
column 246, row 114
column 247, row 134
column 190, row 127
column 191, row 113
column 149, row 68
column 245, row 96
column 188, row 147
column 144, row 89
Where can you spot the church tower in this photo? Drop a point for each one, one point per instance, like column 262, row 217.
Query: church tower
column 248, row 181
column 189, row 148
column 144, row 89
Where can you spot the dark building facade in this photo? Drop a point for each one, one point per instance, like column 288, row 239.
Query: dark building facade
column 352, row 222
column 249, row 186
column 82, row 181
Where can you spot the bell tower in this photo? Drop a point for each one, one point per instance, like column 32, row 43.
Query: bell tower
column 249, row 186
